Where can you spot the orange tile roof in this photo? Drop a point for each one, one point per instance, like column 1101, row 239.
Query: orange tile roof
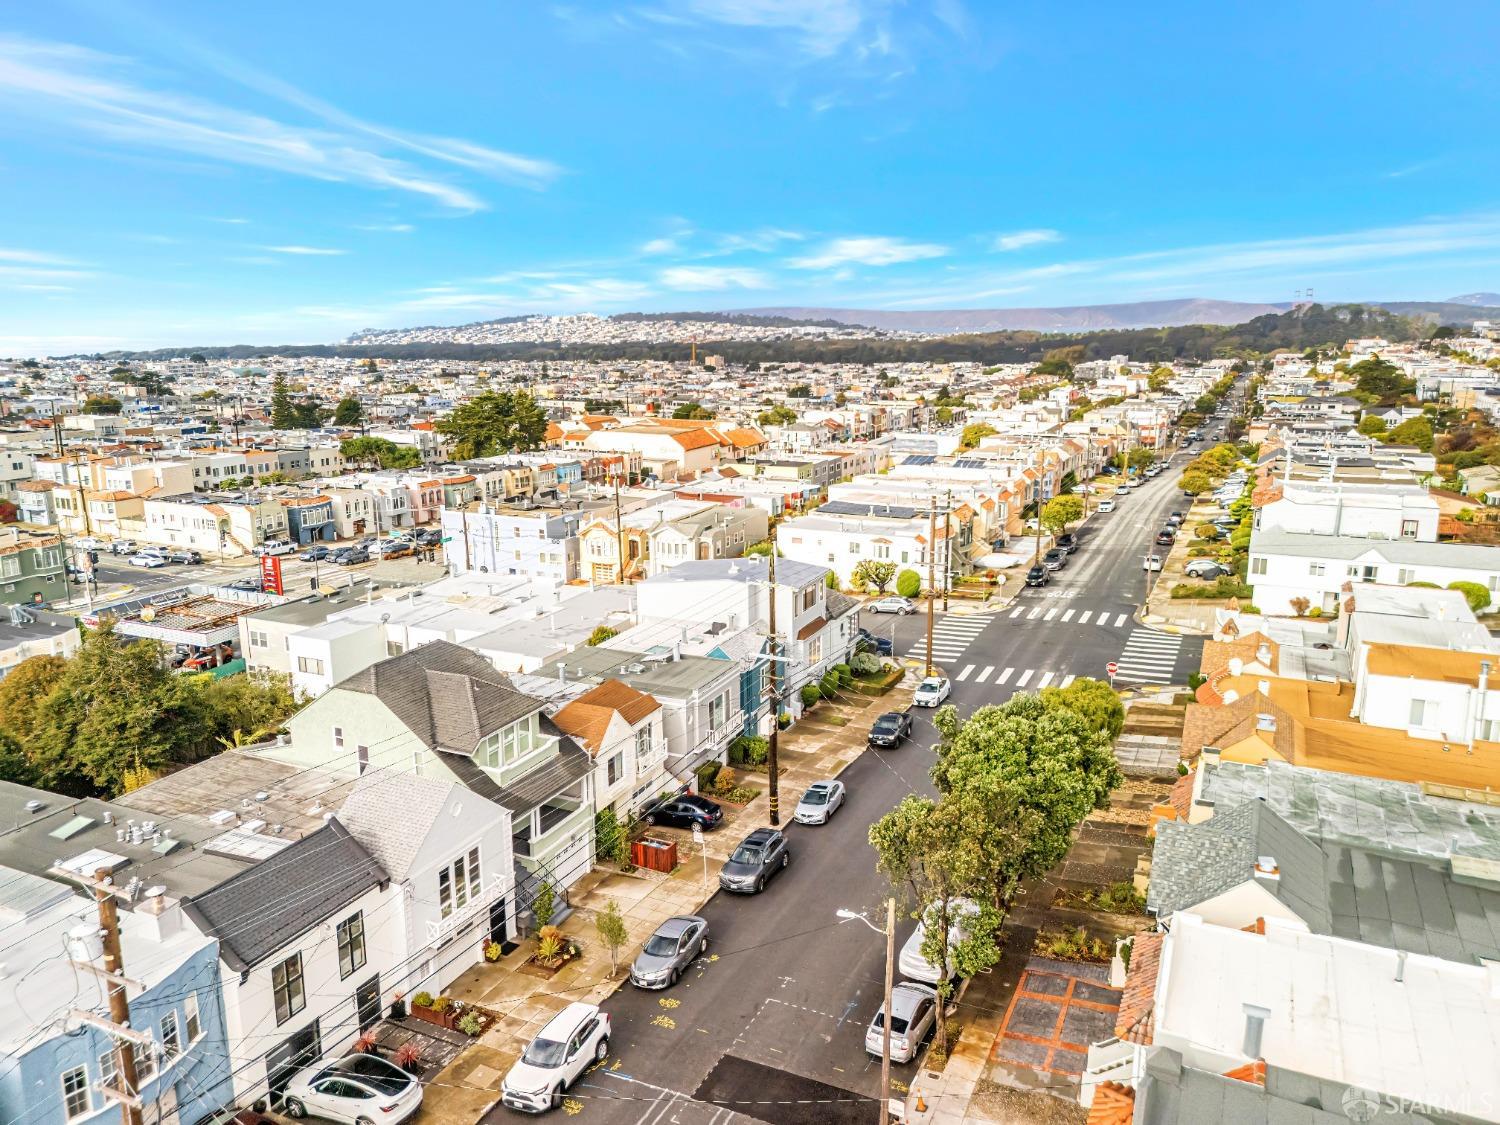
column 588, row 717
column 742, row 437
column 554, row 432
column 695, row 439
column 1252, row 1072
column 1133, row 1022
column 1113, row 1104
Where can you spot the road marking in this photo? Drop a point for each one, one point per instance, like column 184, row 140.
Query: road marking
column 1044, row 681
column 1083, row 618
column 1024, row 676
column 1068, row 616
column 1067, row 680
column 1003, row 676
column 964, row 675
column 1051, row 613
column 1020, row 609
column 1034, row 614
column 1121, row 620
column 985, row 675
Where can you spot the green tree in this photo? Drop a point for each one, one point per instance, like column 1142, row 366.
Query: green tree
column 1379, row 379
column 102, row 404
column 349, row 412
column 1094, row 699
column 283, row 414
column 1477, row 595
column 1056, row 759
column 1158, row 379
column 601, row 405
column 1414, row 431
column 868, row 573
column 908, row 583
column 22, row 691
column 600, row 634
column 495, row 422
column 1059, row 512
column 1142, row 459
column 245, row 709
column 1371, row 424
column 378, row 452
column 612, row 932
column 944, row 415
column 778, row 415
column 973, row 433
column 1195, row 484
column 761, row 548
column 15, row 766
column 693, row 410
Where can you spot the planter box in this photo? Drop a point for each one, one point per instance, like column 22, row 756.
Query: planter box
column 443, row 1019
column 654, row 855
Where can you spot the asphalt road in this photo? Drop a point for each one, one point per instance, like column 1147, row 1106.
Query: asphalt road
column 770, row 1026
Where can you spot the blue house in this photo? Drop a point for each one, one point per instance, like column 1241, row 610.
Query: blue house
column 309, row 518
column 56, row 1066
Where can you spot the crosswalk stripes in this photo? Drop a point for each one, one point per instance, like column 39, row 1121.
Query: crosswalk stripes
column 985, row 675
column 1015, row 613
column 1068, row 615
column 1033, row 678
column 1120, row 620
column 1044, row 681
column 951, row 635
column 1034, row 614
column 1066, row 680
column 1149, row 657
column 1100, row 617
column 1083, row 618
column 1021, row 680
column 964, row 675
column 1004, row 676
column 1051, row 613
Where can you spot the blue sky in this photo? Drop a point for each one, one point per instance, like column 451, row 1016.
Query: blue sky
column 175, row 173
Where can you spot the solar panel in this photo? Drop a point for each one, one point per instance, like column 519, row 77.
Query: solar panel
column 919, row 459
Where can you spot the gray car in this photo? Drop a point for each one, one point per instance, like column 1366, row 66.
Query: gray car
column 759, row 856
column 821, row 801
column 669, row 951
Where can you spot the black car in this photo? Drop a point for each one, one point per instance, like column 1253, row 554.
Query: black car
column 890, row 730
column 881, row 646
column 686, row 811
column 192, row 557
column 759, row 856
column 1038, row 576
column 427, row 537
column 1068, row 542
column 1055, row 559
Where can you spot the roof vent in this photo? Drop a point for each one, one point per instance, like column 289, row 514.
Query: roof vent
column 34, row 806
column 1265, row 867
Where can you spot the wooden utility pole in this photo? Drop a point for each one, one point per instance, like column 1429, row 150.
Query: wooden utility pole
column 119, row 1002
column 947, row 548
column 620, row 534
column 931, row 576
column 774, row 788
column 885, row 1049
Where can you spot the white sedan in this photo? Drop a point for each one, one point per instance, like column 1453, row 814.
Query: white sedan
column 149, row 560
column 355, row 1089
column 892, row 604
column 931, row 692
column 1151, row 562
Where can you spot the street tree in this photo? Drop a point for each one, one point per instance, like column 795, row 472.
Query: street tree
column 1059, row 512
column 612, row 932
column 349, row 412
column 378, row 452
column 495, row 422
column 973, row 433
column 1142, row 459
column 871, row 573
column 1195, row 484
column 778, row 415
column 1094, row 699
column 22, row 691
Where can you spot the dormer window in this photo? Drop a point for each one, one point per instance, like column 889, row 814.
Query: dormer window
column 508, row 745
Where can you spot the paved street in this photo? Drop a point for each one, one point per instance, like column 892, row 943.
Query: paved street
column 770, row 1026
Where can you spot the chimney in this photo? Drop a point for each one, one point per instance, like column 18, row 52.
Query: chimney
column 1265, row 868
column 1255, row 1027
column 1401, row 966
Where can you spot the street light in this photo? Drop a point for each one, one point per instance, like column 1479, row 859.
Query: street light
column 890, row 962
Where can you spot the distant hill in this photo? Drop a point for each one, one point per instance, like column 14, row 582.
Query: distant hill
column 1486, row 300
column 1074, row 318
column 1456, row 313
column 749, row 320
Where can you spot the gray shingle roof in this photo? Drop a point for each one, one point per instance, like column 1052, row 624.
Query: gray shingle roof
column 449, row 696
column 392, row 814
column 259, row 911
column 1345, row 547
column 569, row 766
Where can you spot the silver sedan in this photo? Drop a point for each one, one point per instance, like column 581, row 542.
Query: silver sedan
column 820, row 802
column 668, row 952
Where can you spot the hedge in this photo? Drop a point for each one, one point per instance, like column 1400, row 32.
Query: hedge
column 908, row 583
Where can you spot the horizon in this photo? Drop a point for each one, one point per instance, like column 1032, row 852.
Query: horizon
column 287, row 175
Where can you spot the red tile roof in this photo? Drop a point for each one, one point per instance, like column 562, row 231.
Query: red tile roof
column 1134, row 1020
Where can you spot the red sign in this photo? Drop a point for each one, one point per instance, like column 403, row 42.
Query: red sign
column 1111, row 668
column 270, row 574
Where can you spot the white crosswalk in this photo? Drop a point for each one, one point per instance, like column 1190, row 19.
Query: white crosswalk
column 1102, row 618
column 951, row 635
column 1041, row 677
column 1149, row 657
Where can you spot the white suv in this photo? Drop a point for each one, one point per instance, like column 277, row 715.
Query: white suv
column 573, row 1040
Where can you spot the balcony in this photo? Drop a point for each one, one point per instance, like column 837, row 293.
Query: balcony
column 550, row 826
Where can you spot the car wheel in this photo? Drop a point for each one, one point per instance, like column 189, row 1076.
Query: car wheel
column 557, row 1097
column 294, row 1108
column 676, row 975
column 702, row 947
column 760, row 884
column 786, row 858
column 601, row 1050
column 651, row 820
column 363, row 1121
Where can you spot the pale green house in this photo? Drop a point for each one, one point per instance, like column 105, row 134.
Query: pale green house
column 444, row 712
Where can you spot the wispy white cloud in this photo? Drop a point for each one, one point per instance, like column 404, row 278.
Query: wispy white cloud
column 867, row 251
column 232, row 221
column 75, row 88
column 37, row 271
column 821, row 27
column 1411, row 169
column 307, row 251
column 658, row 246
column 33, row 258
column 713, row 278
column 1020, row 239
column 387, row 228
column 761, row 241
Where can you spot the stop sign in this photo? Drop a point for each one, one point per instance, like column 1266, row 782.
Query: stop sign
column 1111, row 668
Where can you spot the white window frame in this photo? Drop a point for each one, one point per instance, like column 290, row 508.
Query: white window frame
column 171, row 1035
column 193, row 1024
column 75, row 1088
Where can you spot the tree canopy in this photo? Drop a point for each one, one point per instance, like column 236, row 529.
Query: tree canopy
column 495, row 422
column 1060, row 511
column 378, row 452
column 349, row 412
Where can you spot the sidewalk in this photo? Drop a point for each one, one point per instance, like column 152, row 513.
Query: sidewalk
column 817, row 748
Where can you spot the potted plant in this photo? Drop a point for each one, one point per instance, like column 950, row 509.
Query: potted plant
column 492, row 951
column 398, row 1006
column 408, row 1058
column 365, row 1044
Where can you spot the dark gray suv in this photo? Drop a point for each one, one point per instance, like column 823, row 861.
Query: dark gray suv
column 759, row 856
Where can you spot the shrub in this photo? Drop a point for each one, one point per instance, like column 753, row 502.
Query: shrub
column 1425, row 585
column 749, row 750
column 1075, row 945
column 600, row 634
column 784, row 720
column 1316, row 611
column 1206, row 531
column 1224, row 587
column 1476, row 595
column 549, row 948
column 611, row 837
column 422, row 1000
column 544, row 905
column 1196, row 680
column 829, row 685
column 493, row 952
column 725, row 780
column 470, row 1024
column 442, row 1004
column 864, row 664
column 1182, row 769
column 810, row 694
column 1299, row 605
column 707, row 773
column 1120, row 898
column 845, row 674
column 908, row 583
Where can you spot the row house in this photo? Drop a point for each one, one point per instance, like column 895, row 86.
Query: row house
column 230, row 525
column 541, row 544
column 714, row 532
column 309, row 519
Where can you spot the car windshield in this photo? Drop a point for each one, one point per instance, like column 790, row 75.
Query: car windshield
column 887, row 722
column 746, row 854
column 374, row 1073
column 931, row 685
column 546, row 1053
column 661, row 945
column 815, row 797
column 697, row 803
column 898, row 1023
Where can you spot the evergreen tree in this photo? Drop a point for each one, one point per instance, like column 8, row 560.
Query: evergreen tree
column 283, row 413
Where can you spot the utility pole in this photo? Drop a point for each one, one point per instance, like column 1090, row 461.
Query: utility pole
column 885, row 1048
column 931, row 575
column 620, row 538
column 774, row 788
column 119, row 1002
column 947, row 548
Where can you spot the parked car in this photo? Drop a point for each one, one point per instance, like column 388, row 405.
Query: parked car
column 245, row 584
column 674, row 946
column 820, row 802
column 1107, row 504
column 686, row 811
column 124, row 547
column 912, row 964
column 316, row 553
column 1176, row 519
column 394, row 548
column 571, row 1042
column 427, row 536
column 881, row 646
column 185, row 556
column 358, row 1089
column 273, row 547
column 1133, row 483
column 760, row 855
column 1151, row 562
column 890, row 730
column 892, row 604
column 1055, row 559
column 1205, row 568
column 350, row 557
column 152, row 561
column 88, row 543
column 913, row 1016
column 1068, row 542
column 931, row 692
column 1038, row 575
column 1164, row 537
